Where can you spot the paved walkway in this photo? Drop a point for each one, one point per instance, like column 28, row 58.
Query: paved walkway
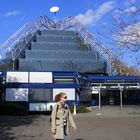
column 110, row 123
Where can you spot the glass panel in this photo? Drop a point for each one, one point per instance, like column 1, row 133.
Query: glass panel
column 40, row 94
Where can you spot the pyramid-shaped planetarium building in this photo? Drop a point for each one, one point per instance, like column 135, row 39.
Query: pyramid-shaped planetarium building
column 63, row 51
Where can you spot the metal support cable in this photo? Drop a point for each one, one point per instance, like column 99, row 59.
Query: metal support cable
column 13, row 36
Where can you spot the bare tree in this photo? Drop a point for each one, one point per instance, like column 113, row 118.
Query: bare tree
column 123, row 33
column 126, row 29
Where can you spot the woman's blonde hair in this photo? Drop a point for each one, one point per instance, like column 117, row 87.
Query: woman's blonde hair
column 58, row 96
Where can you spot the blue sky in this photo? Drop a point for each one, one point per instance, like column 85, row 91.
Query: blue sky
column 91, row 13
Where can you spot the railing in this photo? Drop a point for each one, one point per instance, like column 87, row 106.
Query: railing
column 18, row 41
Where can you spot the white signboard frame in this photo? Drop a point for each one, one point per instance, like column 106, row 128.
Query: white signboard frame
column 17, row 77
column 40, row 77
column 41, row 106
column 70, row 92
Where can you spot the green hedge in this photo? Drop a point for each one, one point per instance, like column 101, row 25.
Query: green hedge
column 13, row 109
column 79, row 109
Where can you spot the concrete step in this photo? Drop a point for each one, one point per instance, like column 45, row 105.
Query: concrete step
column 52, row 38
column 63, row 65
column 58, row 32
column 59, row 46
column 59, row 54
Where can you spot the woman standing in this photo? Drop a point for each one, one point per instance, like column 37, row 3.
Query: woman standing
column 61, row 118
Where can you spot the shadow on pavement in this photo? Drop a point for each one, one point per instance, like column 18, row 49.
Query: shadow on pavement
column 7, row 123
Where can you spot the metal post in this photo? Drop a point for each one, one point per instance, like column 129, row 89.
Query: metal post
column 121, row 98
column 13, row 61
column 100, row 97
column 110, row 66
column 74, row 110
column 138, row 85
column 120, row 95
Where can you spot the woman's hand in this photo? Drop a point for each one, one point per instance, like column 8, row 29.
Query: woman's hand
column 53, row 131
column 74, row 127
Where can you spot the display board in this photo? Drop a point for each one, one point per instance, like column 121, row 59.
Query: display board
column 70, row 92
column 41, row 106
column 16, row 94
column 40, row 77
column 17, row 77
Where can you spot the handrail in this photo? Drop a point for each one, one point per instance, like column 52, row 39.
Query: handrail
column 15, row 38
column 23, row 32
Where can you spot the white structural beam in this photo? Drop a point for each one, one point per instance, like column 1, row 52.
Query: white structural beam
column 121, row 98
column 121, row 91
column 100, row 96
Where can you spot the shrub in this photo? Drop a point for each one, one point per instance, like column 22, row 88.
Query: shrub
column 12, row 109
column 79, row 109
